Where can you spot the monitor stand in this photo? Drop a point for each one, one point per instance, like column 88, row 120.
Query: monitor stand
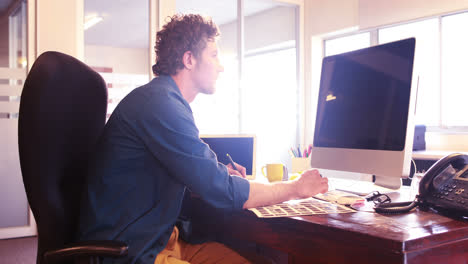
column 388, row 182
column 357, row 187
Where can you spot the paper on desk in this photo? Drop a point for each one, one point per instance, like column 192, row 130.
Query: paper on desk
column 340, row 197
column 308, row 206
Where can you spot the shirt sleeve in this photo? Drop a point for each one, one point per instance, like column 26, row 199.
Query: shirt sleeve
column 168, row 130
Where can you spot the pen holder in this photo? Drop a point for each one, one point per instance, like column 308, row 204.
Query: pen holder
column 300, row 164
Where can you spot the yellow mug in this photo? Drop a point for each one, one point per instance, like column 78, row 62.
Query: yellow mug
column 275, row 172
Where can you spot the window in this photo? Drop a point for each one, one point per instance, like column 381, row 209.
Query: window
column 348, row 43
column 268, row 99
column 13, row 62
column 454, row 64
column 261, row 96
column 426, row 67
column 440, row 63
column 218, row 113
column 117, row 45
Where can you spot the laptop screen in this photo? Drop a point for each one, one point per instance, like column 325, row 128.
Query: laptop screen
column 241, row 148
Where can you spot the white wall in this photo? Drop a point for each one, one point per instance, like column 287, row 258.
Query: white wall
column 60, row 27
column 121, row 60
column 373, row 13
column 329, row 16
column 258, row 28
column 334, row 15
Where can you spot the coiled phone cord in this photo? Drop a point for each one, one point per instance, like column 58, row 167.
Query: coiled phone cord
column 397, row 208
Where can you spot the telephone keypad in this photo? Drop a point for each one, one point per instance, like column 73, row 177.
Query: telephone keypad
column 451, row 195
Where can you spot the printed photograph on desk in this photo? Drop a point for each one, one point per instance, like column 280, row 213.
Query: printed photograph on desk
column 308, row 206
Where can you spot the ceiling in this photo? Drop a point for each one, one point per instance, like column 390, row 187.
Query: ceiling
column 125, row 22
column 223, row 11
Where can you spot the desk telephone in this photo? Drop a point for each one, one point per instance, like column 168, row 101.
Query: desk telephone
column 444, row 187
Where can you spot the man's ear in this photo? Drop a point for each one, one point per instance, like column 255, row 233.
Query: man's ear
column 189, row 60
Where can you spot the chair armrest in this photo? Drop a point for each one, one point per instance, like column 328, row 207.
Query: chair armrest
column 95, row 248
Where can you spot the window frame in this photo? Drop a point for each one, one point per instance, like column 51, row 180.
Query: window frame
column 374, row 40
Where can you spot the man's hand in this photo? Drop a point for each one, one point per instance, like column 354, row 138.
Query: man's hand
column 310, row 183
column 241, row 170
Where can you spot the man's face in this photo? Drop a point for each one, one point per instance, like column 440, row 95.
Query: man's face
column 207, row 69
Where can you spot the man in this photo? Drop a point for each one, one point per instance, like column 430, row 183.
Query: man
column 150, row 152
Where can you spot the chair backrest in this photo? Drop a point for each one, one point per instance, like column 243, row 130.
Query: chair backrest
column 62, row 114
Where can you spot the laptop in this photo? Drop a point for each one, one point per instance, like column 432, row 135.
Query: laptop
column 241, row 148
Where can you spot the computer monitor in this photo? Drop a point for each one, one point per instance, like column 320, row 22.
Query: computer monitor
column 241, row 148
column 364, row 119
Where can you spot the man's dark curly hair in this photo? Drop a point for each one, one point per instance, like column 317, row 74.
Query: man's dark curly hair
column 182, row 33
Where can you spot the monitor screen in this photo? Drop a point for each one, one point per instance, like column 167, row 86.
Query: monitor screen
column 363, row 109
column 241, row 148
column 364, row 98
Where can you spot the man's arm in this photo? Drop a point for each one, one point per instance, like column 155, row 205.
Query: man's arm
column 309, row 184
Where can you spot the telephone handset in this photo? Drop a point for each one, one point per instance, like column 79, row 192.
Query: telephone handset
column 444, row 187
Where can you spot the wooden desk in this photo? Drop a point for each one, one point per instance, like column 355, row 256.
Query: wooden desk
column 361, row 237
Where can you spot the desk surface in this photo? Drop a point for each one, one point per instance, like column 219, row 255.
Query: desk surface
column 361, row 237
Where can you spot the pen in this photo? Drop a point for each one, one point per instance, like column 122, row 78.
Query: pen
column 294, row 152
column 231, row 161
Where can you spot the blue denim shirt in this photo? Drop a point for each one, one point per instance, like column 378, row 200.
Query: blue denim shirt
column 150, row 151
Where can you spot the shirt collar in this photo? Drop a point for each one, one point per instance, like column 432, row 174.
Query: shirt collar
column 168, row 79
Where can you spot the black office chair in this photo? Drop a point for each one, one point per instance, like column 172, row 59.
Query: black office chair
column 62, row 113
